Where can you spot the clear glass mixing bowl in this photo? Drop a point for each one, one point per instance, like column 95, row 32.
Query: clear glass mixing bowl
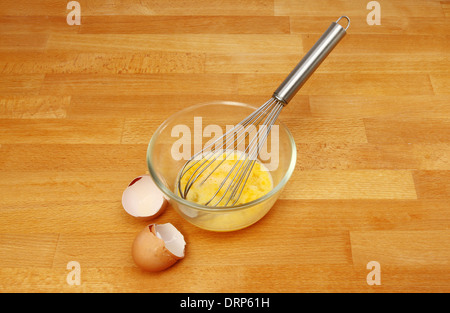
column 165, row 160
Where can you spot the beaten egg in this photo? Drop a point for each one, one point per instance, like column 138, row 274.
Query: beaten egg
column 209, row 189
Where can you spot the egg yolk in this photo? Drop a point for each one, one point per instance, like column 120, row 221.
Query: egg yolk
column 221, row 179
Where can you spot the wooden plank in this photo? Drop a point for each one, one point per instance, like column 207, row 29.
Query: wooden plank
column 343, row 156
column 338, row 84
column 85, row 249
column 432, row 184
column 62, row 187
column 30, row 107
column 30, row 7
column 331, row 8
column 32, row 279
column 390, row 25
column 307, row 278
column 312, row 278
column 185, row 25
column 93, row 279
column 235, row 62
column 335, row 63
column 315, row 130
column 407, row 130
column 151, row 106
column 36, row 24
column 27, row 249
column 359, row 215
column 403, row 248
column 382, row 44
column 138, row 84
column 387, row 63
column 41, row 131
column 57, row 62
column 333, row 278
column 161, row 107
column 446, row 8
column 137, row 7
column 381, row 106
column 440, row 83
column 72, row 157
column 137, row 130
column 28, row 84
column 202, row 7
column 350, row 184
column 299, row 246
column 206, row 43
column 64, row 216
column 23, row 42
column 433, row 156
column 178, row 7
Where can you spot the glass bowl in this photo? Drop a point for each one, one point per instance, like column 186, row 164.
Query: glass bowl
column 187, row 132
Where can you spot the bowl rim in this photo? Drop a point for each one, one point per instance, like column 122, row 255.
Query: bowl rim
column 172, row 196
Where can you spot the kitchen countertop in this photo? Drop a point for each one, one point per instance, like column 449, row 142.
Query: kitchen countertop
column 78, row 105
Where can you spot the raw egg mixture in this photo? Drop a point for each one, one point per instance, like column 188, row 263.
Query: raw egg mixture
column 204, row 188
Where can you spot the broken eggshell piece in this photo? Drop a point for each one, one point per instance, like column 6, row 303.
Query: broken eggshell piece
column 157, row 247
column 143, row 199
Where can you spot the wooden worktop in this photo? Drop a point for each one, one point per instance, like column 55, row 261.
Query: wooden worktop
column 78, row 105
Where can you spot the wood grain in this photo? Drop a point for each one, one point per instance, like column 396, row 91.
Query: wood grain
column 139, row 84
column 78, row 105
column 413, row 130
column 382, row 106
column 337, row 84
column 40, row 25
column 401, row 247
column 207, row 43
column 137, row 7
column 11, row 85
column 356, row 8
column 351, row 184
column 392, row 44
column 432, row 184
column 440, row 84
column 30, row 107
column 23, row 42
column 354, row 155
column 106, row 63
column 146, row 106
column 398, row 24
column 185, row 25
column 370, row 63
column 28, row 250
column 60, row 131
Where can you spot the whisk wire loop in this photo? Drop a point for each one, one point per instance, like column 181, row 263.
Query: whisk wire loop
column 225, row 148
column 250, row 153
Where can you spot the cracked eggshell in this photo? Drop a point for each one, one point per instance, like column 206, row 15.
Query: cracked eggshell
column 157, row 247
column 143, row 199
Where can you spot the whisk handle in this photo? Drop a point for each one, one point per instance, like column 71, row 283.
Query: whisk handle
column 311, row 61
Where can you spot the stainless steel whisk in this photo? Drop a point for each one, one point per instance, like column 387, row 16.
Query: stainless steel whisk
column 234, row 182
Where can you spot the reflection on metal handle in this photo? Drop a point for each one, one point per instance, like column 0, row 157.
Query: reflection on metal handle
column 311, row 61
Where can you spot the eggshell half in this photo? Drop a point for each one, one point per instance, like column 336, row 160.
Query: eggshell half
column 143, row 199
column 157, row 247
